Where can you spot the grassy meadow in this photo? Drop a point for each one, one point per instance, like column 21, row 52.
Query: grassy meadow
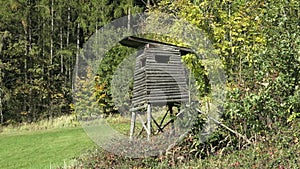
column 34, row 146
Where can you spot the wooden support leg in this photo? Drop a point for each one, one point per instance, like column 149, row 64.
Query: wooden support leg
column 157, row 125
column 133, row 118
column 172, row 117
column 144, row 125
column 149, row 121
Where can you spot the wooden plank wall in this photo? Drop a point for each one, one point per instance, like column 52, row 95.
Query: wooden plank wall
column 157, row 82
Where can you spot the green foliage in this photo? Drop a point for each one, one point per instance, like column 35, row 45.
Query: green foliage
column 122, row 84
column 267, row 96
column 39, row 44
column 199, row 75
column 85, row 101
column 107, row 69
column 279, row 150
column 259, row 45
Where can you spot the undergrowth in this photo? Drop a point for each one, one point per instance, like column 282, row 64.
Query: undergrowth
column 277, row 149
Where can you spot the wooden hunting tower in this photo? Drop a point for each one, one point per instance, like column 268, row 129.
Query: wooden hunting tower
column 159, row 78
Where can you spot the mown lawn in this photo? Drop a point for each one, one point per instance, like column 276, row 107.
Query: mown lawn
column 42, row 149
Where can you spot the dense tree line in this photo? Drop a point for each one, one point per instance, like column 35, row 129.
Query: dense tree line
column 40, row 42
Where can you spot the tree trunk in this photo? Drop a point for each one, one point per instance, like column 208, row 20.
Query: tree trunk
column 61, row 56
column 30, row 65
column 68, row 72
column 52, row 32
column 77, row 56
column 68, row 26
column 129, row 19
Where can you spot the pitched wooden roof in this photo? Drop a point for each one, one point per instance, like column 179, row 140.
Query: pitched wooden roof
column 136, row 42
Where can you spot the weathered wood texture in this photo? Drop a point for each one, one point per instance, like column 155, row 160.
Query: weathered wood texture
column 159, row 76
column 159, row 79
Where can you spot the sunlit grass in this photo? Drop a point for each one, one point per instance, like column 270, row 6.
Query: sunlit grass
column 45, row 144
column 42, row 149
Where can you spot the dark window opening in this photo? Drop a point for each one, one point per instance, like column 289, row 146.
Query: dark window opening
column 162, row 59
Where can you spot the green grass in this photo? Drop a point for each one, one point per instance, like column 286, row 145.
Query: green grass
column 42, row 149
column 119, row 123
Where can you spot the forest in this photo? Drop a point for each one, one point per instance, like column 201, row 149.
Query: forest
column 258, row 43
column 40, row 41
